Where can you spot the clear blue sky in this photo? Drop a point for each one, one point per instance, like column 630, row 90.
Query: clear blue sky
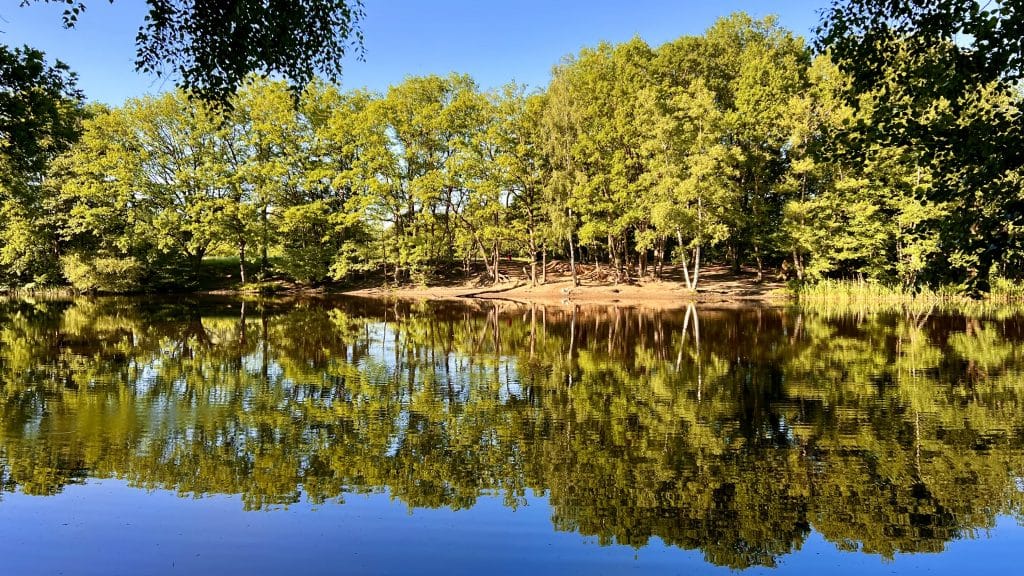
column 495, row 41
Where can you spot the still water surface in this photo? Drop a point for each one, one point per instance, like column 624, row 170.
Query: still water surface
column 149, row 436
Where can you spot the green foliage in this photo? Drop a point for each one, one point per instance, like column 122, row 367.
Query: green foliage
column 738, row 146
column 40, row 117
column 211, row 48
column 145, row 183
column 40, row 111
column 102, row 273
column 309, row 246
column 941, row 78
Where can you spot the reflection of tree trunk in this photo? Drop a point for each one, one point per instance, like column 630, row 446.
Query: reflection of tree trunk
column 241, row 335
column 533, row 329
column 410, row 363
column 572, row 342
column 972, row 326
column 195, row 329
column 696, row 325
column 448, row 379
column 797, row 329
column 497, row 332
column 691, row 312
column 696, row 340
column 659, row 336
column 917, row 442
column 921, row 318
column 613, row 330
column 384, row 332
column 265, row 344
column 682, row 339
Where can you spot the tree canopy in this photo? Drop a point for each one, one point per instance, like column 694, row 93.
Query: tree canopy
column 943, row 80
column 209, row 47
column 885, row 156
column 41, row 111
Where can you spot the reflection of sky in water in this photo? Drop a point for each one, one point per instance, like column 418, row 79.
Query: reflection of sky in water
column 106, row 528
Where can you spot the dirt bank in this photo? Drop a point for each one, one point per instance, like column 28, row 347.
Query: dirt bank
column 718, row 284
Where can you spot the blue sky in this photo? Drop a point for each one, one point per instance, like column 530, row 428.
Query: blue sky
column 494, row 41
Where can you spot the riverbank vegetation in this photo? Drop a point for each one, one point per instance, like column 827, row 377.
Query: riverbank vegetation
column 743, row 146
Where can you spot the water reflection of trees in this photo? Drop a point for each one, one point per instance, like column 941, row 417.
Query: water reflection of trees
column 731, row 431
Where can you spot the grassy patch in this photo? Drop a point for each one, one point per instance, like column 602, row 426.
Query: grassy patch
column 848, row 296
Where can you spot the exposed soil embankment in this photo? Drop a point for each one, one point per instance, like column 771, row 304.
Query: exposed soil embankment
column 598, row 286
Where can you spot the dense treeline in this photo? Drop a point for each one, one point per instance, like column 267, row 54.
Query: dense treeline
column 736, row 432
column 741, row 146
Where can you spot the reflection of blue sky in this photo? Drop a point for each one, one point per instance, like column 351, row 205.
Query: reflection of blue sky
column 107, row 528
column 386, row 357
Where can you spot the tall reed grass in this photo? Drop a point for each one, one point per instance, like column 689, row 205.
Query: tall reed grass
column 846, row 296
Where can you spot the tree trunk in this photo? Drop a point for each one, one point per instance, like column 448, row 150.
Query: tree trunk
column 572, row 261
column 661, row 257
column 497, row 263
column 616, row 258
column 533, row 260
column 980, row 278
column 265, row 220
column 197, row 264
column 686, row 265
column 486, row 259
column 241, row 260
column 544, row 264
column 757, row 258
column 696, row 267
column 643, row 263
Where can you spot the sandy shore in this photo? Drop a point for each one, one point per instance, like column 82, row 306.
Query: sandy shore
column 717, row 285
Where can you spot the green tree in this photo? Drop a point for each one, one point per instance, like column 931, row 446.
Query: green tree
column 212, row 47
column 41, row 111
column 693, row 172
column 321, row 229
column 944, row 74
column 269, row 152
column 594, row 146
column 412, row 139
column 145, row 186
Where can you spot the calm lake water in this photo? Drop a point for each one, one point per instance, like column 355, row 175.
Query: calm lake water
column 205, row 435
